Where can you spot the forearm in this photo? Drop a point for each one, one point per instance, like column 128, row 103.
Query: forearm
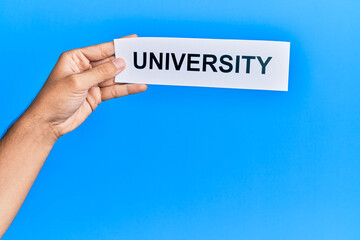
column 23, row 151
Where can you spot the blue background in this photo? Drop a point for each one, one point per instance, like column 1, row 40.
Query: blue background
column 187, row 162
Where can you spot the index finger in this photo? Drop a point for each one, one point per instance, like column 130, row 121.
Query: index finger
column 101, row 51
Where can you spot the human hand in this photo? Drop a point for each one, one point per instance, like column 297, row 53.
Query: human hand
column 80, row 81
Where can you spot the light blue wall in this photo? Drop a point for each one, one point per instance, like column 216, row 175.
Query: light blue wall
column 195, row 163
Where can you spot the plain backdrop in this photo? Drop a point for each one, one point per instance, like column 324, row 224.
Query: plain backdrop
column 189, row 162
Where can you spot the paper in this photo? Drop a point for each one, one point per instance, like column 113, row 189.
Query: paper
column 205, row 62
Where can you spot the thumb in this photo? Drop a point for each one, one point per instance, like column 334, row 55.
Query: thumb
column 101, row 72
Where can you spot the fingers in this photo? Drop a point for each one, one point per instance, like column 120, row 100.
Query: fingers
column 101, row 51
column 99, row 73
column 116, row 91
column 108, row 82
column 97, row 63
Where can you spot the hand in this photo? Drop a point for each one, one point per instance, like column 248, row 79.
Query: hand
column 80, row 81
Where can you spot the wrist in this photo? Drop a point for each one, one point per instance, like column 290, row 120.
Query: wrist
column 31, row 123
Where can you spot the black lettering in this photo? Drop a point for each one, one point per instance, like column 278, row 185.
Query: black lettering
column 237, row 64
column 248, row 59
column 153, row 59
column 176, row 64
column 167, row 57
column 263, row 65
column 191, row 61
column 230, row 66
column 210, row 63
column 144, row 61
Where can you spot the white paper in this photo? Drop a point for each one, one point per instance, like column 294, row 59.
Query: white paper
column 163, row 56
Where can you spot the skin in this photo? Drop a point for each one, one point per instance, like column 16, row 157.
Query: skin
column 80, row 81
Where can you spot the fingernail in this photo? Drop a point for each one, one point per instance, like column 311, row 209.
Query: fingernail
column 119, row 63
column 143, row 87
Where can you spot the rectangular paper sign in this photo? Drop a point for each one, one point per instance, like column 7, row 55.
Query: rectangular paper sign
column 205, row 62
